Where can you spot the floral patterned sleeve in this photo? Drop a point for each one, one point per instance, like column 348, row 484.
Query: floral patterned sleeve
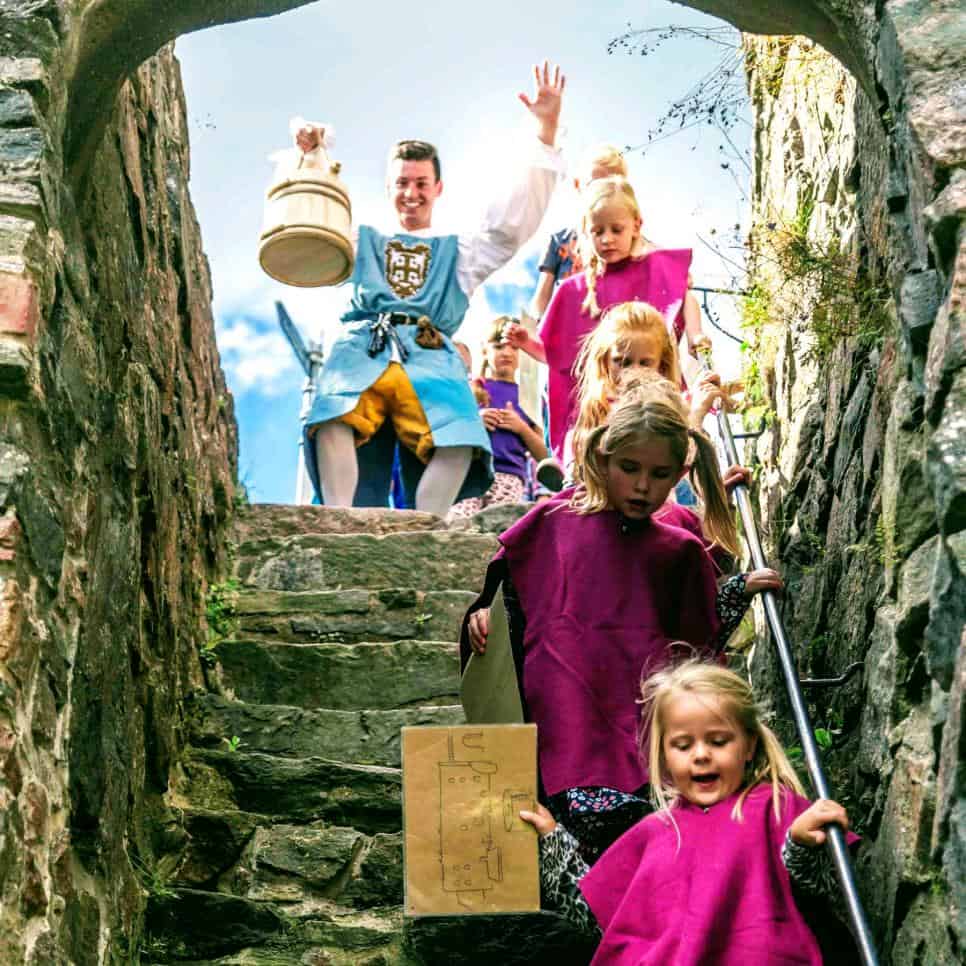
column 810, row 870
column 561, row 869
column 730, row 604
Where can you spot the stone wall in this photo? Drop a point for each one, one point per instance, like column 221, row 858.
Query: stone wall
column 117, row 445
column 117, row 453
column 860, row 263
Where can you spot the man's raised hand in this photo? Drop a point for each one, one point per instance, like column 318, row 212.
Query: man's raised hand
column 545, row 106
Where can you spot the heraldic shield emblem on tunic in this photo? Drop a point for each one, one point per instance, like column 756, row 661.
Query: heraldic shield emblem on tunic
column 407, row 267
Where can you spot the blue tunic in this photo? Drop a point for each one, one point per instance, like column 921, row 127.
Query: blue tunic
column 417, row 276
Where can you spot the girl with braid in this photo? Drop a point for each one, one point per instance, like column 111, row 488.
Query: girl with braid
column 600, row 592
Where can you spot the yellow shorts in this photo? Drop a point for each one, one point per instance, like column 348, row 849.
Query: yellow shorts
column 392, row 395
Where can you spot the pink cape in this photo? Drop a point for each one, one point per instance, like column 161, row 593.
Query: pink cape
column 723, row 897
column 602, row 603
column 659, row 278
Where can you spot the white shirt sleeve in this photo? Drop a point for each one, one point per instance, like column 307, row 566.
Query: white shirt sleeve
column 510, row 220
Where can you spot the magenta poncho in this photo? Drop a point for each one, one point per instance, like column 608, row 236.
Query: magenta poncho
column 723, row 897
column 659, row 278
column 602, row 602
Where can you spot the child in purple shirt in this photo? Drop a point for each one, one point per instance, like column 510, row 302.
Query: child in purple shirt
column 513, row 434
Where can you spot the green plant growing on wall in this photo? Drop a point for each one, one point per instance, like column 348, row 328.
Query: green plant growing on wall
column 220, row 610
column 153, row 880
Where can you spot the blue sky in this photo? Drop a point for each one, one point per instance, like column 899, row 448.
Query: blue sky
column 448, row 73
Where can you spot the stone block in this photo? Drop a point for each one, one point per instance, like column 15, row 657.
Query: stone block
column 210, row 924
column 923, row 937
column 948, row 843
column 291, row 862
column 213, row 842
column 11, row 619
column 14, row 463
column 947, row 609
column 947, row 459
column 947, row 342
column 26, row 34
column 511, row 940
column 17, row 108
column 14, row 369
column 918, row 301
column 26, row 72
column 900, row 852
column 20, row 242
column 365, row 797
column 379, row 879
column 352, row 616
column 21, row 152
column 341, row 676
column 915, row 581
column 433, row 560
column 881, row 670
column 19, row 312
column 277, row 521
column 362, row 737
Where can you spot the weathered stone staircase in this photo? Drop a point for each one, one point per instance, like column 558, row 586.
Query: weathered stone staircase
column 289, row 849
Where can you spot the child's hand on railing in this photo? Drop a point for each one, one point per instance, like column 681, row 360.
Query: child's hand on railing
column 757, row 581
column 734, row 475
column 808, row 829
column 478, row 629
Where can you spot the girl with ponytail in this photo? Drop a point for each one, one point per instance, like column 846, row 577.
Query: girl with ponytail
column 600, row 591
column 620, row 266
column 709, row 876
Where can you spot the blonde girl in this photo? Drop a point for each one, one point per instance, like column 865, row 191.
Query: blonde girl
column 630, row 342
column 596, row 590
column 620, row 267
column 561, row 259
column 513, row 434
column 708, row 876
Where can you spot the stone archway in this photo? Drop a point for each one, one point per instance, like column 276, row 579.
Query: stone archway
column 117, row 451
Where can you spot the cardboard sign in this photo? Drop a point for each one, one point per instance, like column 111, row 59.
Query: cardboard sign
column 489, row 689
column 466, row 849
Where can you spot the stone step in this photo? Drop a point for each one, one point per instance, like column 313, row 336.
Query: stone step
column 195, row 926
column 424, row 560
column 341, row 676
column 198, row 927
column 528, row 939
column 352, row 616
column 298, row 863
column 367, row 737
column 293, row 790
column 271, row 521
column 247, row 855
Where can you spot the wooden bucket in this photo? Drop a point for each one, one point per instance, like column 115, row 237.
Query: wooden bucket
column 307, row 232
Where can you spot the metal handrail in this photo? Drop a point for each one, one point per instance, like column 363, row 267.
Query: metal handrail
column 835, row 840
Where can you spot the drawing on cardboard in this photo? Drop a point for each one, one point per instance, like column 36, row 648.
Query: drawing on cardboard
column 466, row 849
column 469, row 859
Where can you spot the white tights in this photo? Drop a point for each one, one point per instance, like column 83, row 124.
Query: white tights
column 335, row 451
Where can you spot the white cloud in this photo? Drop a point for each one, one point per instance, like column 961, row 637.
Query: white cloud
column 256, row 359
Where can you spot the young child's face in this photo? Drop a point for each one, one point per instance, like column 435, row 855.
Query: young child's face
column 503, row 359
column 705, row 751
column 613, row 229
column 640, row 477
column 642, row 350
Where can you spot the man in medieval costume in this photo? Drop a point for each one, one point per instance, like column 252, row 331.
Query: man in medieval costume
column 393, row 359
